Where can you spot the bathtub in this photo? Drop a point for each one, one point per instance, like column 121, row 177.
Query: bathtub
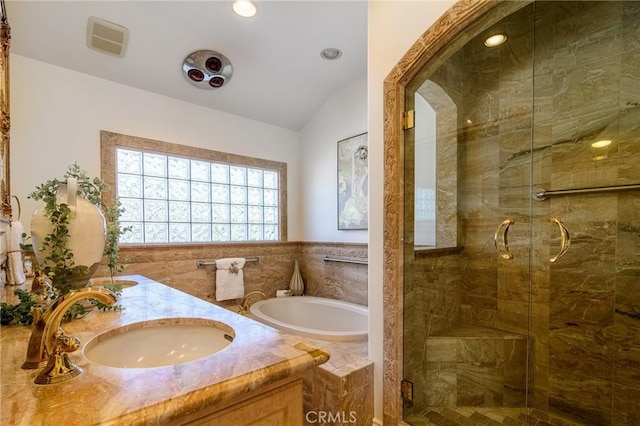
column 315, row 317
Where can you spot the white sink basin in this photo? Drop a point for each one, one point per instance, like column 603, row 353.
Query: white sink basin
column 159, row 343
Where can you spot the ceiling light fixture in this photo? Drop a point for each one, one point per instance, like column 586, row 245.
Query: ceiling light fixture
column 245, row 8
column 207, row 69
column 601, row 144
column 495, row 40
column 331, row 53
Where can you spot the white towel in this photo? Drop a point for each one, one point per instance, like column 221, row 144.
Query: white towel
column 230, row 278
column 15, row 267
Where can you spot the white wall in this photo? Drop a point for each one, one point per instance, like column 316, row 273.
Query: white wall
column 393, row 27
column 342, row 116
column 57, row 115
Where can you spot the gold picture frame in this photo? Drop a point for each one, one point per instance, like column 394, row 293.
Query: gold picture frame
column 353, row 178
column 5, row 121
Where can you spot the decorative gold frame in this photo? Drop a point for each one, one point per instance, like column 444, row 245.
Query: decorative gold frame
column 5, row 122
column 460, row 17
column 345, row 191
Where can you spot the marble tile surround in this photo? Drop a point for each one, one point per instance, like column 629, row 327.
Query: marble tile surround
column 583, row 309
column 344, row 384
column 176, row 267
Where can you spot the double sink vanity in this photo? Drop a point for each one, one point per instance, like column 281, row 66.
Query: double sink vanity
column 200, row 364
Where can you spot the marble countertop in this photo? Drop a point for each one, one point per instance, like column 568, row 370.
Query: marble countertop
column 259, row 355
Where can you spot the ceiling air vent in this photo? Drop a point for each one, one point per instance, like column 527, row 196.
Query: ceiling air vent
column 106, row 37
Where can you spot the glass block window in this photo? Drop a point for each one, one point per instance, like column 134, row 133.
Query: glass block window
column 176, row 199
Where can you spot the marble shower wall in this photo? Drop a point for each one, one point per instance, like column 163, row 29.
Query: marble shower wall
column 432, row 295
column 176, row 267
column 531, row 110
column 587, row 84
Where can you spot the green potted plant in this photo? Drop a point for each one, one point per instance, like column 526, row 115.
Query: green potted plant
column 54, row 251
column 114, row 264
column 21, row 312
column 69, row 235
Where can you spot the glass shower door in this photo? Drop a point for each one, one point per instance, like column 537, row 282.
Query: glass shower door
column 521, row 289
column 586, row 304
column 466, row 305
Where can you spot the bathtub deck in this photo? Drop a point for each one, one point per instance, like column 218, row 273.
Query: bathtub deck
column 344, row 384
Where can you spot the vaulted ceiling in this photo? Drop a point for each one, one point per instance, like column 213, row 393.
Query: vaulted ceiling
column 278, row 74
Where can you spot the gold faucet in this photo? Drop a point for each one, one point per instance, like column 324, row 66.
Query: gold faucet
column 249, row 300
column 48, row 341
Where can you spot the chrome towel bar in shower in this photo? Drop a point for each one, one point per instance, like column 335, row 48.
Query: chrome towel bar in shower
column 203, row 263
column 542, row 195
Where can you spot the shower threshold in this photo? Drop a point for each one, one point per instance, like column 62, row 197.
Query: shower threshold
column 471, row 416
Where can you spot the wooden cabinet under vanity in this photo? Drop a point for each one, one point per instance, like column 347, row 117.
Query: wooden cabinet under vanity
column 276, row 404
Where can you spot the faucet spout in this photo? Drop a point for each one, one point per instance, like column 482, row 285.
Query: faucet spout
column 249, row 300
column 47, row 338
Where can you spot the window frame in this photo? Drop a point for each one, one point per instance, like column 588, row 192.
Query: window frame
column 110, row 141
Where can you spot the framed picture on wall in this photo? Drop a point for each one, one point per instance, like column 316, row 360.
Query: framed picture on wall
column 353, row 179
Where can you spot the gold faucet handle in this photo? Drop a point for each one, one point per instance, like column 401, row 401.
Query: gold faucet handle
column 64, row 343
column 60, row 368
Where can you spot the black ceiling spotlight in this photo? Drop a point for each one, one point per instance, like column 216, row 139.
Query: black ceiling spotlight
column 207, row 69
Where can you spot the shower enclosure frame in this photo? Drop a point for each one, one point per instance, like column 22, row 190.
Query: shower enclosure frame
column 457, row 19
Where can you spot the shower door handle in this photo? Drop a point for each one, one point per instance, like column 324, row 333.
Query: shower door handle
column 501, row 233
column 566, row 239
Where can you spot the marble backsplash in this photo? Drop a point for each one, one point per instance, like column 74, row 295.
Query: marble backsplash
column 176, row 267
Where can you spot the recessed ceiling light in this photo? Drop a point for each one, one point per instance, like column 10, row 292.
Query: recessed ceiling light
column 245, row 8
column 601, row 144
column 331, row 53
column 495, row 40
